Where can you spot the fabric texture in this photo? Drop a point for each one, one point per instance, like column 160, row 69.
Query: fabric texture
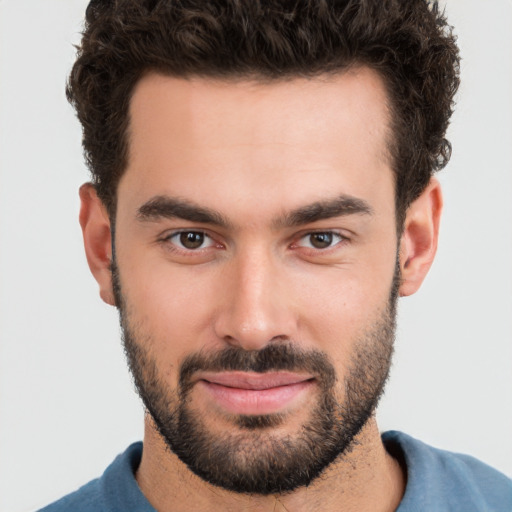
column 437, row 481
column 441, row 481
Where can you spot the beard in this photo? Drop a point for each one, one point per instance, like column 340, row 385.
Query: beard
column 253, row 457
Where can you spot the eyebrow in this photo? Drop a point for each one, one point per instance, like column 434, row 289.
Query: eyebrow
column 340, row 206
column 166, row 207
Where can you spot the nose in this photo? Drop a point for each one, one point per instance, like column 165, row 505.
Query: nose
column 256, row 307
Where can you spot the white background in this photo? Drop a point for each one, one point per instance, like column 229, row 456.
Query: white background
column 67, row 405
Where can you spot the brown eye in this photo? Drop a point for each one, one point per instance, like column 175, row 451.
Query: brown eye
column 320, row 240
column 191, row 239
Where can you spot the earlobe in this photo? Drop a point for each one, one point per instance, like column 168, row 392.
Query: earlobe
column 419, row 239
column 95, row 224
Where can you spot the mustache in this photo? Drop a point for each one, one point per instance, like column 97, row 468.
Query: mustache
column 273, row 357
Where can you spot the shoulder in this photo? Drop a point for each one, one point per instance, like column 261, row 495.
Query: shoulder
column 441, row 480
column 115, row 490
column 86, row 499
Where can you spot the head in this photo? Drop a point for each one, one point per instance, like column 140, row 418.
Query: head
column 267, row 169
column 408, row 43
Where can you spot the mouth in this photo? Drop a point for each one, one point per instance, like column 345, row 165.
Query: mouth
column 248, row 393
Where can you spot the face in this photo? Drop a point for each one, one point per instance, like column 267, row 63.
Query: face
column 255, row 270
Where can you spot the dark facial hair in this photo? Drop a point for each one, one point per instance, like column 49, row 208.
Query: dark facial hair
column 251, row 458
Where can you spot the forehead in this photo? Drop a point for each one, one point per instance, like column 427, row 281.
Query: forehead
column 190, row 134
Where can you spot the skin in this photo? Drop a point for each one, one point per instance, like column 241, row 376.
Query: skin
column 254, row 152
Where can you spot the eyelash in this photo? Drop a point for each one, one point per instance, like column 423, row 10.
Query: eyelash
column 334, row 235
column 330, row 233
column 167, row 239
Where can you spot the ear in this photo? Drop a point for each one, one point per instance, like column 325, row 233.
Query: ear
column 418, row 244
column 95, row 224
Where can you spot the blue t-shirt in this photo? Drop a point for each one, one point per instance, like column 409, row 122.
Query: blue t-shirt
column 437, row 481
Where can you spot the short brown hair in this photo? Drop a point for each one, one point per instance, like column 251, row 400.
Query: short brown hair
column 407, row 41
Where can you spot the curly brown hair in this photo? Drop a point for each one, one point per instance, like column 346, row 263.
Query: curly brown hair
column 407, row 41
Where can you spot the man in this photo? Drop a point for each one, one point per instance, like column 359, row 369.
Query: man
column 262, row 194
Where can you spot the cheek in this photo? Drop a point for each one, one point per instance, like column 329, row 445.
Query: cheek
column 341, row 304
column 169, row 308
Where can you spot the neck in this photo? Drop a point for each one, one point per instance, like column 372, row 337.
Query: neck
column 365, row 479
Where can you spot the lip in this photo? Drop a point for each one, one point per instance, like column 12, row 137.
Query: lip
column 254, row 393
